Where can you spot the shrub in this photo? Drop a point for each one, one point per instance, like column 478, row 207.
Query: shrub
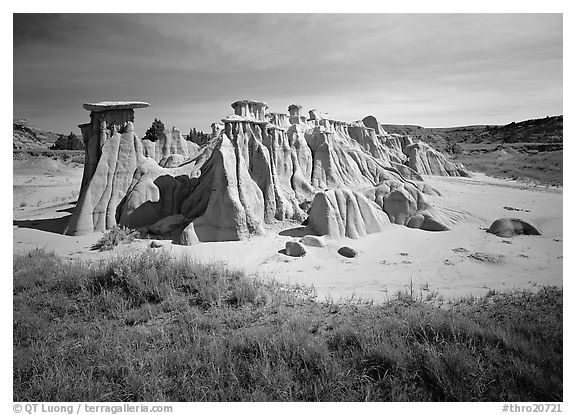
column 114, row 237
column 69, row 142
column 198, row 137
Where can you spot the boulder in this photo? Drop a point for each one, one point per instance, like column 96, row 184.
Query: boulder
column 295, row 249
column 508, row 227
column 416, row 221
column 348, row 252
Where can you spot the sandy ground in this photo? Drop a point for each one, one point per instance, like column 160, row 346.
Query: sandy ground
column 463, row 261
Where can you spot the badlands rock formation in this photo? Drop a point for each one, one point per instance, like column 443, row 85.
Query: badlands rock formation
column 343, row 212
column 259, row 167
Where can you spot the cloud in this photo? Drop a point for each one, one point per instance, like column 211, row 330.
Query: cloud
column 439, row 69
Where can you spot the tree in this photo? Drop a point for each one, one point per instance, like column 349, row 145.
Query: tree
column 69, row 142
column 198, row 137
column 155, row 131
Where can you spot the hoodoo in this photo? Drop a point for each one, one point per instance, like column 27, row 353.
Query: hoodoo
column 258, row 167
column 105, row 118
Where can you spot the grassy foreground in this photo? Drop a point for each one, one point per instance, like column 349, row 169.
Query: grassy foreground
column 151, row 328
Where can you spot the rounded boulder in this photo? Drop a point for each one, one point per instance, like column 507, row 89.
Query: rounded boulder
column 508, row 227
column 348, row 252
column 295, row 249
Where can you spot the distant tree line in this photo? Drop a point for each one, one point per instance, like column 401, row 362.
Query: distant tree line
column 68, row 142
column 198, row 137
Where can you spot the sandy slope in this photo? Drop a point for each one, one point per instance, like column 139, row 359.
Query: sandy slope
column 388, row 261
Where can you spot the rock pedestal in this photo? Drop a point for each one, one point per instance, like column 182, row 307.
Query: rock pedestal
column 295, row 116
column 216, row 128
column 250, row 109
column 106, row 118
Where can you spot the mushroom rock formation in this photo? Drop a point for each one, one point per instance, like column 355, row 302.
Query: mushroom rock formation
column 102, row 194
column 108, row 106
column 217, row 127
column 248, row 109
column 342, row 212
column 279, row 120
column 317, row 116
column 257, row 168
column 295, row 116
column 509, row 227
column 104, row 117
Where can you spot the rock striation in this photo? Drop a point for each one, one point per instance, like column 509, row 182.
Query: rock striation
column 348, row 180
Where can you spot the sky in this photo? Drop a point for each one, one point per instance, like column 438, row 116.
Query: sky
column 434, row 70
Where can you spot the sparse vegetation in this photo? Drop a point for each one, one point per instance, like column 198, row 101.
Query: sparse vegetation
column 484, row 257
column 155, row 131
column 114, row 237
column 541, row 167
column 152, row 328
column 533, row 147
column 198, row 137
column 69, row 142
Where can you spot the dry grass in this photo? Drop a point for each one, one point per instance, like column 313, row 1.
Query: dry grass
column 114, row 237
column 152, row 328
column 543, row 168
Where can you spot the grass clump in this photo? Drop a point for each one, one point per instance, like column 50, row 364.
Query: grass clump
column 153, row 328
column 114, row 237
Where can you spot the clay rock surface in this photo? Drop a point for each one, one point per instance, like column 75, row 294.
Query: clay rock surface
column 426, row 160
column 405, row 204
column 345, row 213
column 167, row 146
column 256, row 169
column 102, row 196
column 509, row 227
column 413, row 159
